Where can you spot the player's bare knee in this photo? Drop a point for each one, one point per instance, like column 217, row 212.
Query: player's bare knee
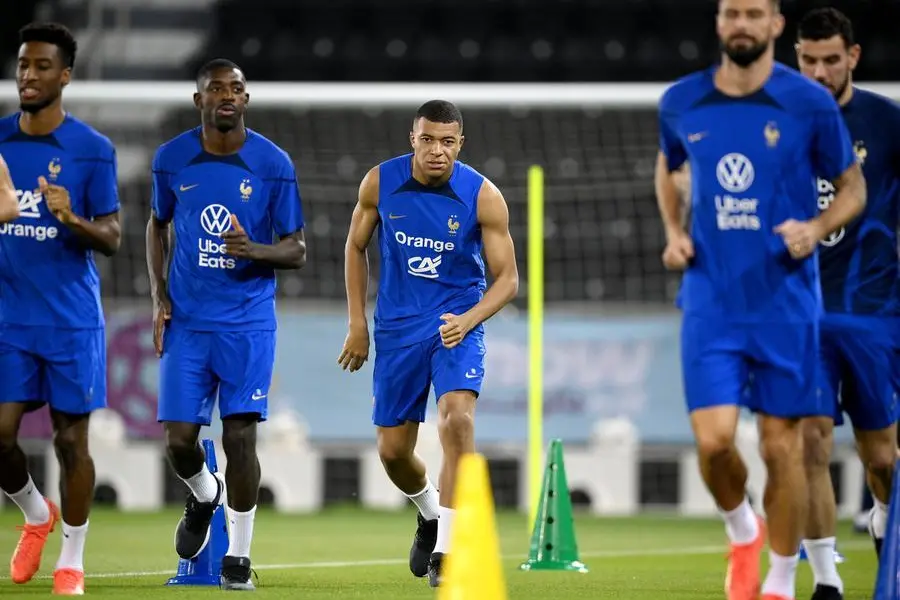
column 456, row 427
column 8, row 437
column 394, row 450
column 71, row 446
column 715, row 446
column 180, row 441
column 782, row 449
column 817, row 442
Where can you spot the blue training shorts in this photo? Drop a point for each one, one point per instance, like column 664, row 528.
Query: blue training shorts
column 859, row 370
column 402, row 377
column 198, row 366
column 65, row 368
column 769, row 368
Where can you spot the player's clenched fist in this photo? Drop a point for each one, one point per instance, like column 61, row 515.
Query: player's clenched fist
column 356, row 349
column 237, row 242
column 162, row 314
column 678, row 252
column 454, row 329
column 9, row 203
column 800, row 237
column 57, row 199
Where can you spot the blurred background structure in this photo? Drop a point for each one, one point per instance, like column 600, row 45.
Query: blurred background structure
column 612, row 380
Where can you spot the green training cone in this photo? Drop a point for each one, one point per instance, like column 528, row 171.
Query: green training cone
column 553, row 545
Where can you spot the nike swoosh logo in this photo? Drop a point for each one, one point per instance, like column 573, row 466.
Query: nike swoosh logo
column 185, row 188
column 696, row 137
column 470, row 376
column 257, row 397
column 393, row 216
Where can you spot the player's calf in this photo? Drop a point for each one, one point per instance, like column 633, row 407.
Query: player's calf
column 785, row 501
column 207, row 492
column 819, row 533
column 878, row 453
column 242, row 475
column 396, row 449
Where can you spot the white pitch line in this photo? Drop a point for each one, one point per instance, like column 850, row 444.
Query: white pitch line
column 688, row 551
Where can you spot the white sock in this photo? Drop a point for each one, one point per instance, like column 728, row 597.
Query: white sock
column 203, row 485
column 879, row 518
column 821, row 559
column 240, row 531
column 445, row 523
column 782, row 575
column 71, row 555
column 741, row 524
column 427, row 501
column 32, row 502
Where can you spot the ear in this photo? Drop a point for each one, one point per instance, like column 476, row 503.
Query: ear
column 855, row 52
column 412, row 139
column 246, row 98
column 778, row 25
column 197, row 99
column 66, row 76
column 462, row 140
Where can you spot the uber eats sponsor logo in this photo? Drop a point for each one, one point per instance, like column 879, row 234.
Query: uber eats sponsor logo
column 734, row 210
column 215, row 220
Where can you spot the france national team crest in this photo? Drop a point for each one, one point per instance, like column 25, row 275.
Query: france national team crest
column 54, row 169
column 772, row 134
column 246, row 190
column 859, row 148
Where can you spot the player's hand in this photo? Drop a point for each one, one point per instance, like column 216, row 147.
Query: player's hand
column 356, row 349
column 9, row 202
column 678, row 252
column 57, row 199
column 800, row 237
column 162, row 314
column 237, row 243
column 454, row 329
column 6, row 183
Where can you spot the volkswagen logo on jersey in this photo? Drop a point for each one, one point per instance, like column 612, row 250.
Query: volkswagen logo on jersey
column 735, row 173
column 215, row 219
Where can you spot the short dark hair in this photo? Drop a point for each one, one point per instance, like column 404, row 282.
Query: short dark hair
column 52, row 33
column 825, row 23
column 214, row 65
column 439, row 111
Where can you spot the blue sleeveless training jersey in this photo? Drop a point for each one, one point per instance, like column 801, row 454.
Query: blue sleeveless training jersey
column 859, row 263
column 430, row 244
column 754, row 162
column 49, row 278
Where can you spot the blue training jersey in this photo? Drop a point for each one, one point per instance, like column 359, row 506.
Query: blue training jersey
column 430, row 243
column 753, row 162
column 858, row 263
column 48, row 277
column 199, row 192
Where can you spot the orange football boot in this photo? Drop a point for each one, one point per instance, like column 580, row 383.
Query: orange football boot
column 26, row 560
column 742, row 581
column 68, row 582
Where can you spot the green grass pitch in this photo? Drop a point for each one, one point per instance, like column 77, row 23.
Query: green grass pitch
column 351, row 553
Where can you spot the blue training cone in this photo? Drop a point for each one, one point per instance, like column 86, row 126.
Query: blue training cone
column 204, row 569
column 887, row 585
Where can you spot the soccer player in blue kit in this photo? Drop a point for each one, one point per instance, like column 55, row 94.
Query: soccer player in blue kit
column 225, row 192
column 755, row 134
column 434, row 215
column 861, row 295
column 52, row 327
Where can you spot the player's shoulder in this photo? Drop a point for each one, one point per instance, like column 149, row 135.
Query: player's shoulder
column 875, row 104
column 797, row 92
column 85, row 139
column 272, row 156
column 686, row 91
column 178, row 151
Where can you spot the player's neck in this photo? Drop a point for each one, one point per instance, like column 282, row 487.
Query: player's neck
column 426, row 181
column 846, row 95
column 734, row 80
column 222, row 143
column 44, row 121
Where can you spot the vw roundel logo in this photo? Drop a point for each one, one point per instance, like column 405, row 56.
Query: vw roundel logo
column 735, row 173
column 215, row 219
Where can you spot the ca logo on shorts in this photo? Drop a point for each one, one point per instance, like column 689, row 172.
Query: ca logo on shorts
column 215, row 219
column 735, row 173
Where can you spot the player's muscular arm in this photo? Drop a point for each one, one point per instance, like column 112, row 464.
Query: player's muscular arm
column 356, row 272
column 849, row 200
column 158, row 253
column 670, row 189
column 288, row 253
column 499, row 253
column 356, row 256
